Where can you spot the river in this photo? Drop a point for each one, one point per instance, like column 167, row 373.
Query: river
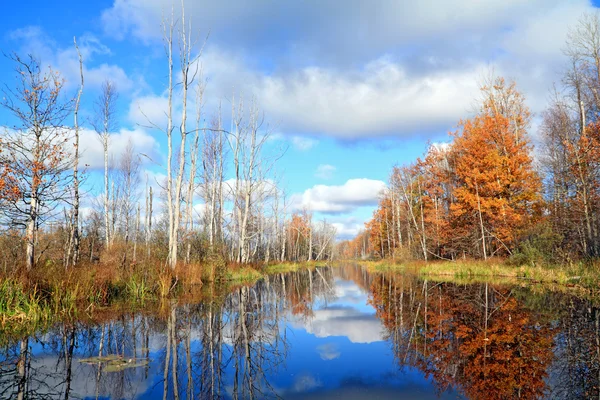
column 338, row 332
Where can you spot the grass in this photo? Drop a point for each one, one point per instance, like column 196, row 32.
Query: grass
column 576, row 274
column 29, row 300
column 243, row 274
column 290, row 267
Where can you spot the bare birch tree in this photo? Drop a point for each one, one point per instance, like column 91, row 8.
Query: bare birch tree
column 73, row 244
column 104, row 124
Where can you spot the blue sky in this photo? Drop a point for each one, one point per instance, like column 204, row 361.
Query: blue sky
column 349, row 88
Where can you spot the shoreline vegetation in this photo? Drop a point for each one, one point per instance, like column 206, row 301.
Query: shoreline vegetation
column 33, row 301
column 580, row 274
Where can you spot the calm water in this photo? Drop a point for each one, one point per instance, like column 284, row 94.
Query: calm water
column 330, row 333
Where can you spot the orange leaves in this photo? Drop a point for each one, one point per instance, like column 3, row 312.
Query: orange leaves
column 495, row 178
column 9, row 185
column 379, row 228
column 478, row 339
column 299, row 227
column 475, row 196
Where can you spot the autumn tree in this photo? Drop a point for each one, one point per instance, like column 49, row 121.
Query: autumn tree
column 380, row 228
column 438, row 182
column 35, row 150
column 571, row 143
column 298, row 235
column 498, row 191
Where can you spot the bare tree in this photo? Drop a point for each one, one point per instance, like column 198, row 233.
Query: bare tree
column 34, row 150
column 127, row 179
column 189, row 69
column 212, row 177
column 192, row 185
column 104, row 124
column 251, row 168
column 73, row 245
column 148, row 214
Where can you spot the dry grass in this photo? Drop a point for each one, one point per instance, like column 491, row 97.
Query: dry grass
column 583, row 274
column 49, row 292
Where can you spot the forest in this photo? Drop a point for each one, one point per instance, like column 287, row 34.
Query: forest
column 245, row 218
column 500, row 188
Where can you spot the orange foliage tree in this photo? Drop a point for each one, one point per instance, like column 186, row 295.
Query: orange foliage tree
column 497, row 191
column 476, row 196
column 299, row 235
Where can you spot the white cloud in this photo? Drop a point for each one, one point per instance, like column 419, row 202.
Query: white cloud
column 328, row 351
column 303, row 143
column 325, row 171
column 347, row 227
column 382, row 100
column 357, row 326
column 416, row 73
column 339, row 199
column 149, row 110
column 65, row 60
column 92, row 152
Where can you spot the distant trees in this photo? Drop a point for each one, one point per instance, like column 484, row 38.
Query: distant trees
column 482, row 195
column 476, row 196
column 571, row 150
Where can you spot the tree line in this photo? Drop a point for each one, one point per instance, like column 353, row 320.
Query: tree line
column 220, row 197
column 488, row 193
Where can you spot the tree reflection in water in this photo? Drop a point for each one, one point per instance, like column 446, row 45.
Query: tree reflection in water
column 477, row 338
column 483, row 340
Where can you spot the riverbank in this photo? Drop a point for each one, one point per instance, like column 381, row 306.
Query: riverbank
column 29, row 300
column 575, row 274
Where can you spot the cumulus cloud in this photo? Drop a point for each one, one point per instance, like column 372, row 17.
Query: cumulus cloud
column 339, row 199
column 347, row 227
column 382, row 100
column 358, row 327
column 348, row 292
column 35, row 41
column 416, row 73
column 92, row 153
column 325, row 171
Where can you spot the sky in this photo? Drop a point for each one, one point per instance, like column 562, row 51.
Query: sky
column 348, row 88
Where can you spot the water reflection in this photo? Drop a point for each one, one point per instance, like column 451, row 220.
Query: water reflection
column 340, row 332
